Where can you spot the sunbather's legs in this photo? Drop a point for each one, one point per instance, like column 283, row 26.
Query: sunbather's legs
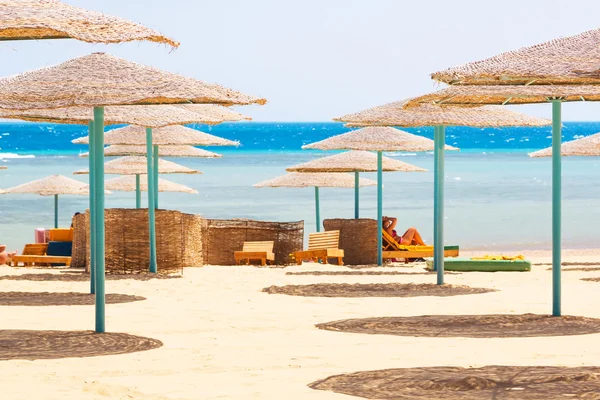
column 412, row 237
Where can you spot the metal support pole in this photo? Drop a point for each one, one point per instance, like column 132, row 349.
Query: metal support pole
column 99, row 220
column 556, row 207
column 317, row 209
column 151, row 216
column 92, row 223
column 379, row 207
column 356, row 194
column 55, row 211
column 138, row 192
column 438, row 203
column 155, row 162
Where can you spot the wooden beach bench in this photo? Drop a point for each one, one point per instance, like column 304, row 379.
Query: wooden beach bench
column 35, row 254
column 262, row 251
column 322, row 246
column 393, row 249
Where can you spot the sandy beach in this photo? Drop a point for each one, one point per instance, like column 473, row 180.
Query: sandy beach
column 223, row 338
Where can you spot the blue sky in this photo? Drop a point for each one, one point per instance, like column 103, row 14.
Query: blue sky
column 317, row 59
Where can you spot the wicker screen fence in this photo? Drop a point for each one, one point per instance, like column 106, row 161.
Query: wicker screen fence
column 358, row 239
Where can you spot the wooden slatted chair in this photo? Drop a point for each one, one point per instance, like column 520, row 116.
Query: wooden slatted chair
column 35, row 254
column 322, row 246
column 262, row 251
column 393, row 249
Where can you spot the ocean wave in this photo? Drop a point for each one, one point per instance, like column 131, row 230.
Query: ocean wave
column 13, row 155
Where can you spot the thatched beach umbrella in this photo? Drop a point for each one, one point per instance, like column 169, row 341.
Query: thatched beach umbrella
column 316, row 180
column 587, row 146
column 52, row 19
column 54, row 185
column 131, row 183
column 3, row 167
column 356, row 161
column 100, row 80
column 395, row 114
column 137, row 166
column 380, row 139
column 555, row 71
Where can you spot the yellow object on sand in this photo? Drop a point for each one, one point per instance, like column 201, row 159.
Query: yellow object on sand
column 499, row 257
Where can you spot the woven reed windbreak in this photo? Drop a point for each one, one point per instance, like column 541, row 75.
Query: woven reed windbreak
column 358, row 239
column 223, row 237
column 80, row 237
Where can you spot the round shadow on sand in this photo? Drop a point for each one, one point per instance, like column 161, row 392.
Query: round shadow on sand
column 47, row 345
column 38, row 299
column 68, row 276
column 357, row 273
column 473, row 326
column 454, row 383
column 374, row 290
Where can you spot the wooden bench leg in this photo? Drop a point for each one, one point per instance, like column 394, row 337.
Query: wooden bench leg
column 340, row 262
column 263, row 262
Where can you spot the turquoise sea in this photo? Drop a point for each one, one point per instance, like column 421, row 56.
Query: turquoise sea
column 497, row 198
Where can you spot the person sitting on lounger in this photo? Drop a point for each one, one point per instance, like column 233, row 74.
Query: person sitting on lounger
column 410, row 237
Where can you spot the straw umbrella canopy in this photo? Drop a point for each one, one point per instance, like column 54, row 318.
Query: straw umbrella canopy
column 54, row 185
column 559, row 64
column 316, row 180
column 3, row 167
column 356, row 161
column 117, row 150
column 134, row 183
column 52, row 19
column 587, row 146
column 137, row 166
column 395, row 114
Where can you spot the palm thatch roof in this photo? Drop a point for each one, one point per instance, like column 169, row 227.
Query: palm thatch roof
column 127, row 183
column 351, row 161
column 507, row 94
column 300, row 179
column 382, row 138
column 52, row 19
column 50, row 186
column 100, row 79
column 568, row 60
column 587, row 146
column 164, row 151
column 153, row 116
column 166, row 136
column 394, row 114
column 3, row 167
column 138, row 166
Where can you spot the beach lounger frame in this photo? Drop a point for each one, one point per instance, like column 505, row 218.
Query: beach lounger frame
column 393, row 249
column 34, row 254
column 321, row 247
column 261, row 251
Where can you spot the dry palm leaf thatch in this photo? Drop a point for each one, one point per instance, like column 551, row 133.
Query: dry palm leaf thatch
column 506, row 94
column 100, row 79
column 394, row 114
column 138, row 166
column 127, row 183
column 154, row 116
column 381, row 138
column 319, row 179
column 52, row 19
column 3, row 167
column 587, row 146
column 568, row 60
column 50, row 186
column 164, row 151
column 167, row 136
column 352, row 161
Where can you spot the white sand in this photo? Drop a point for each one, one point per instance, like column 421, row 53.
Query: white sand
column 225, row 339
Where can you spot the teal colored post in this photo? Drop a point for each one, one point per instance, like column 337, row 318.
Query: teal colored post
column 379, row 207
column 356, row 194
column 556, row 206
column 55, row 211
column 155, row 161
column 317, row 209
column 99, row 220
column 438, row 202
column 91, row 150
column 151, row 215
column 138, row 192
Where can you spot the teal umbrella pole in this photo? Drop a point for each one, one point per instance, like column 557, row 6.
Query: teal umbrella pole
column 55, row 211
column 99, row 216
column 138, row 192
column 155, row 162
column 317, row 209
column 379, row 207
column 92, row 223
column 438, row 203
column 151, row 215
column 356, row 194
column 556, row 207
